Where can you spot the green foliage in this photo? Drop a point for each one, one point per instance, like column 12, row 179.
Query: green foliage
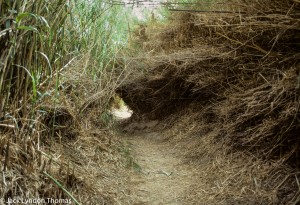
column 37, row 39
column 38, row 42
column 29, row 29
column 62, row 187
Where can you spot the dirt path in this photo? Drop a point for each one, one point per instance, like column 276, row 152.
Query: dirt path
column 162, row 179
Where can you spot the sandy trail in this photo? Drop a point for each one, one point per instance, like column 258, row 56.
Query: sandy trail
column 163, row 178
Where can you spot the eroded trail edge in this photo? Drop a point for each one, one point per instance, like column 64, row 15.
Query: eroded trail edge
column 162, row 177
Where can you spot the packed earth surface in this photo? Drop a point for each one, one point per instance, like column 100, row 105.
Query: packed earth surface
column 191, row 103
column 162, row 177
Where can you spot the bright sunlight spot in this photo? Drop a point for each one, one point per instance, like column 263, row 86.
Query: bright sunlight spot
column 143, row 9
column 119, row 109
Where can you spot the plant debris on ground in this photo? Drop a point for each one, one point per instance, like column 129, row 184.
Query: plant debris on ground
column 228, row 85
column 221, row 80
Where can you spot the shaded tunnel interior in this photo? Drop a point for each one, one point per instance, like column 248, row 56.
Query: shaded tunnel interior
column 159, row 98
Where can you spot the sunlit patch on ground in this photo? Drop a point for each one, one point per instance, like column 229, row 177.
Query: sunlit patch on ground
column 120, row 110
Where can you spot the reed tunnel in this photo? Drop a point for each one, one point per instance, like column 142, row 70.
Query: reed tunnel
column 160, row 97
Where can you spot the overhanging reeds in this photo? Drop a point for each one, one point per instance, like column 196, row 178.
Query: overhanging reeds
column 243, row 65
column 54, row 56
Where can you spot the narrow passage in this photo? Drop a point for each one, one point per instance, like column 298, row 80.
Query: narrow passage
column 162, row 178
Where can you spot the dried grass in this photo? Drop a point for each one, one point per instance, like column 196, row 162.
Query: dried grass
column 53, row 142
column 71, row 144
column 238, row 73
